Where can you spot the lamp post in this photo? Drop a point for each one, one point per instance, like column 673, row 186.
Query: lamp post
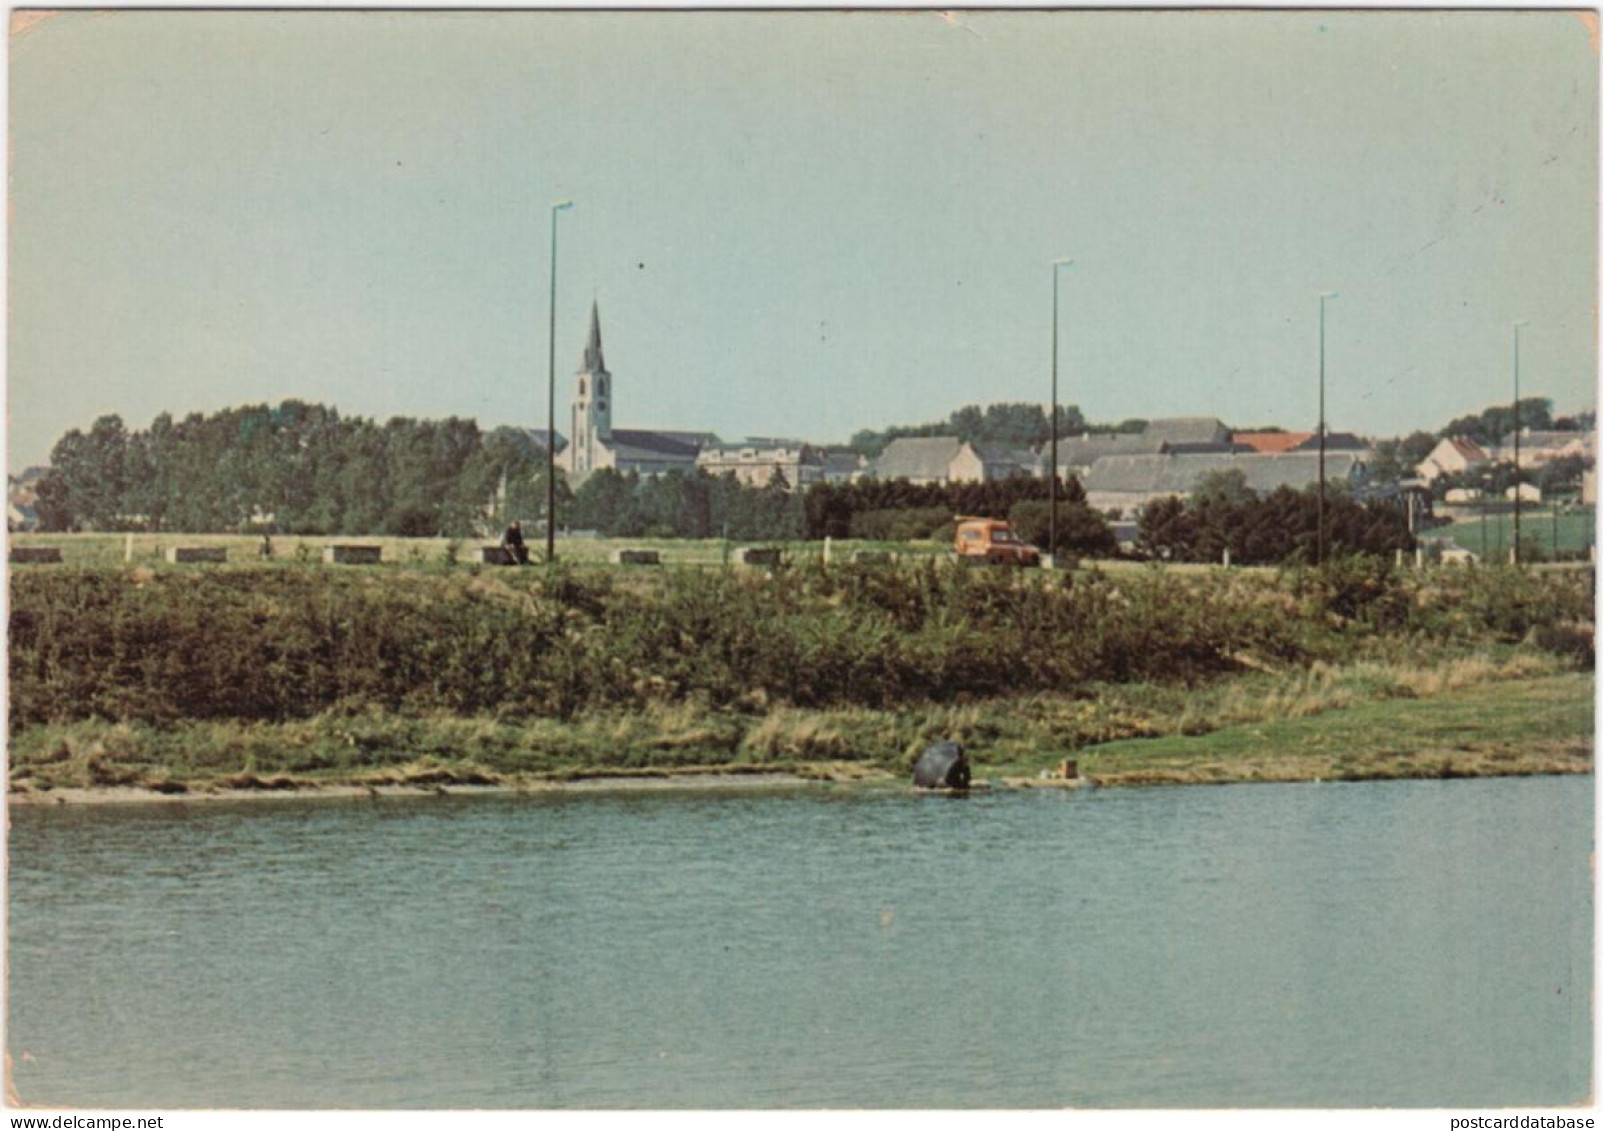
column 1052, row 513
column 1517, row 326
column 1321, row 545
column 551, row 399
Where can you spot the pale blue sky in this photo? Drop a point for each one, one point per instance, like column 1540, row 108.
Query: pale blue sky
column 804, row 223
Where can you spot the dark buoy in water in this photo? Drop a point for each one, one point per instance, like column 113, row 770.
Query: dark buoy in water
column 941, row 766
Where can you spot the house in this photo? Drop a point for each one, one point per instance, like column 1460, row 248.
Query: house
column 1188, row 433
column 1001, row 462
column 946, row 459
column 1272, row 443
column 1538, row 448
column 841, row 465
column 595, row 444
column 1076, row 454
column 756, row 462
column 927, row 459
column 1127, row 483
column 1452, row 456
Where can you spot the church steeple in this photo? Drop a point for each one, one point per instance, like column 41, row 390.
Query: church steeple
column 592, row 348
column 592, row 405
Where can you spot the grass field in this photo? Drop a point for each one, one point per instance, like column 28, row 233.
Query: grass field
column 1528, row 726
column 1492, row 536
column 151, row 549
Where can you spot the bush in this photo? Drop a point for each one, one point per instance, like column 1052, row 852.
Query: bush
column 902, row 524
column 1081, row 530
column 275, row 644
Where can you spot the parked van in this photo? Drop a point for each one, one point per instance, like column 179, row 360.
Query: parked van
column 990, row 540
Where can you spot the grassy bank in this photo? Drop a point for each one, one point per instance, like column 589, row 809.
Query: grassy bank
column 250, row 675
column 1515, row 712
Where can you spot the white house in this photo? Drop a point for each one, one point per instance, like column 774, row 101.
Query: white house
column 1452, row 456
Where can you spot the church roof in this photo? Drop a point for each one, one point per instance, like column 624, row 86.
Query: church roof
column 655, row 443
column 593, row 362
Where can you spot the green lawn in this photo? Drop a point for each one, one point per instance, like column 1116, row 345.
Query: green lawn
column 1521, row 726
column 1492, row 535
column 150, row 549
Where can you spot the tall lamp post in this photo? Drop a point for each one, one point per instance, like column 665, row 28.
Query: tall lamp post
column 1517, row 326
column 1321, row 548
column 551, row 399
column 1052, row 519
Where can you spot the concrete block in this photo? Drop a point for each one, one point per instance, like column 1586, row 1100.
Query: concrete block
column 178, row 554
column 636, row 557
column 35, row 554
column 353, row 555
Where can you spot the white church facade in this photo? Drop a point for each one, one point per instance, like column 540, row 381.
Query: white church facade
column 594, row 444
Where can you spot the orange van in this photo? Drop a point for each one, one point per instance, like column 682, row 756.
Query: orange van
column 992, row 540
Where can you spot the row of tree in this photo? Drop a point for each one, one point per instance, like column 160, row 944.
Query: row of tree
column 680, row 505
column 296, row 467
column 1004, row 425
column 1278, row 527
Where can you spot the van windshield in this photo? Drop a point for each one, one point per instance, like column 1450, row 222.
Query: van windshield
column 1003, row 536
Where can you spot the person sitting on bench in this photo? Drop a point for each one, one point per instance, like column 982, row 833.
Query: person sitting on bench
column 512, row 544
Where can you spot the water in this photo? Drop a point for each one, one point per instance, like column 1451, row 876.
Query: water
column 1409, row 943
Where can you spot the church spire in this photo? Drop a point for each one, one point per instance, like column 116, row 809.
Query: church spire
column 592, row 348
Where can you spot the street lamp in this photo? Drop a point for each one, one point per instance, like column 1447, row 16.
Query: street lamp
column 1322, row 297
column 551, row 399
column 1052, row 520
column 1517, row 325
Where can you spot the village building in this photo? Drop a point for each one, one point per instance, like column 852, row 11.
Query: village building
column 842, row 465
column 1271, row 443
column 1076, row 454
column 1188, row 434
column 946, row 459
column 1452, row 456
column 1538, row 448
column 758, row 461
column 594, row 444
column 1127, row 483
column 1274, row 443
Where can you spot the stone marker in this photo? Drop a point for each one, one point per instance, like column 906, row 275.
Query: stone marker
column 764, row 556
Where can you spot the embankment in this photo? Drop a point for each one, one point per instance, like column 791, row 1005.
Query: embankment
column 277, row 678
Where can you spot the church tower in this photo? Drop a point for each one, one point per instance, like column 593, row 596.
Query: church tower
column 592, row 404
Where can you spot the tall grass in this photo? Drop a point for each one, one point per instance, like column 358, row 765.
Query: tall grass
column 274, row 644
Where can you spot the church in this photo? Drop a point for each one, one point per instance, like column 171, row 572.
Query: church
column 595, row 444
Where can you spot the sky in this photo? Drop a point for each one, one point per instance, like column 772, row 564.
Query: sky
column 800, row 224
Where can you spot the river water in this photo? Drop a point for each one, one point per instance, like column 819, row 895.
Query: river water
column 1399, row 943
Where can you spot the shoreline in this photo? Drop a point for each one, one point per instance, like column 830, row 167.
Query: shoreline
column 1518, row 715
column 712, row 779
